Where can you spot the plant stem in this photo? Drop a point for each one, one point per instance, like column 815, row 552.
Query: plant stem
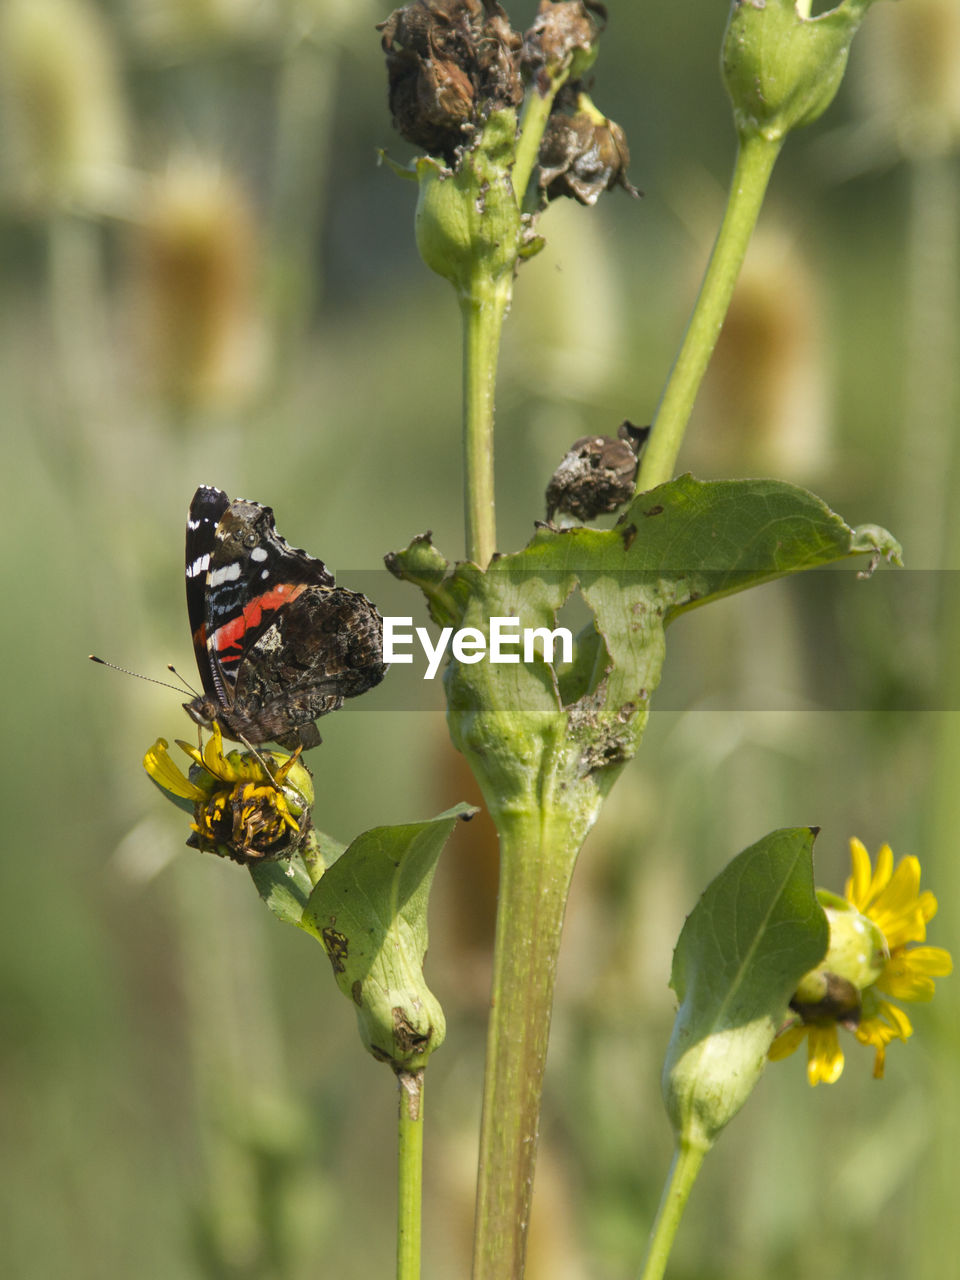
column 483, row 309
column 536, row 112
column 755, row 160
column 687, row 1160
column 409, row 1174
column 537, row 860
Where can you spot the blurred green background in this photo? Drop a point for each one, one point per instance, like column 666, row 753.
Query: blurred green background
column 206, row 278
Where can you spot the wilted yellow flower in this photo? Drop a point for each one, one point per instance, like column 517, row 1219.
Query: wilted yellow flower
column 245, row 806
column 871, row 956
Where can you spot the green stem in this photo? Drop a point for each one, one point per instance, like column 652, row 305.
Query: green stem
column 483, row 310
column 409, row 1174
column 755, row 160
column 686, row 1164
column 537, row 860
column 536, row 112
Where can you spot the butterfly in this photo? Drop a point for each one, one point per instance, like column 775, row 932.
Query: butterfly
column 278, row 643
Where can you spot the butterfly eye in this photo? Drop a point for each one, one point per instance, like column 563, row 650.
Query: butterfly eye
column 250, row 539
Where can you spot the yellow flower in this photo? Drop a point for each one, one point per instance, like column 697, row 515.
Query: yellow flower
column 246, row 806
column 880, row 905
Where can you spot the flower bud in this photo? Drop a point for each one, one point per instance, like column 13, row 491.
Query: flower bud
column 467, row 222
column 783, row 70
column 854, row 961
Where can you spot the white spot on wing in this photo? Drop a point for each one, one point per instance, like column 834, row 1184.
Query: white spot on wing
column 229, row 573
column 258, row 553
column 200, row 565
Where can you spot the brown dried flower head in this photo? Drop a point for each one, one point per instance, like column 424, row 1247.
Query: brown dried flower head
column 562, row 30
column 449, row 64
column 596, row 474
column 582, row 153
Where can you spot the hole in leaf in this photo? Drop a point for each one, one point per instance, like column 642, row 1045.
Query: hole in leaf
column 582, row 676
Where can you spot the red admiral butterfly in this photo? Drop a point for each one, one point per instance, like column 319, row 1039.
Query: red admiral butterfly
column 278, row 644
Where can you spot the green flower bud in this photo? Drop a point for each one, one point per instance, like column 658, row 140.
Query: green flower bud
column 781, row 68
column 468, row 223
column 854, row 961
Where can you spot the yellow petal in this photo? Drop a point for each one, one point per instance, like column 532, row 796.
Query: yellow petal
column 858, row 885
column 191, row 751
column 884, row 869
column 896, row 1019
column 165, row 773
column 902, row 982
column 928, row 905
column 909, row 975
column 935, row 961
column 897, row 910
column 787, row 1042
column 213, row 758
column 824, row 1055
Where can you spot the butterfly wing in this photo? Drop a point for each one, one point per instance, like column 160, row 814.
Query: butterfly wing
column 206, row 510
column 253, row 578
column 277, row 642
column 325, row 645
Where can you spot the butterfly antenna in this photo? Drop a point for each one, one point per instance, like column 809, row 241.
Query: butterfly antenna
column 136, row 674
column 186, row 684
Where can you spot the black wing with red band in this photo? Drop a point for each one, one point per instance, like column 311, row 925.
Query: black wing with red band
column 278, row 644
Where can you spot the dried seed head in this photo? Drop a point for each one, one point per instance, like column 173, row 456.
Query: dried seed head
column 449, row 64
column 563, row 38
column 582, row 153
column 597, row 474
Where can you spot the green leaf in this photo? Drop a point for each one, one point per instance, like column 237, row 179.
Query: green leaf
column 285, row 885
column 742, row 952
column 370, row 912
column 536, row 728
